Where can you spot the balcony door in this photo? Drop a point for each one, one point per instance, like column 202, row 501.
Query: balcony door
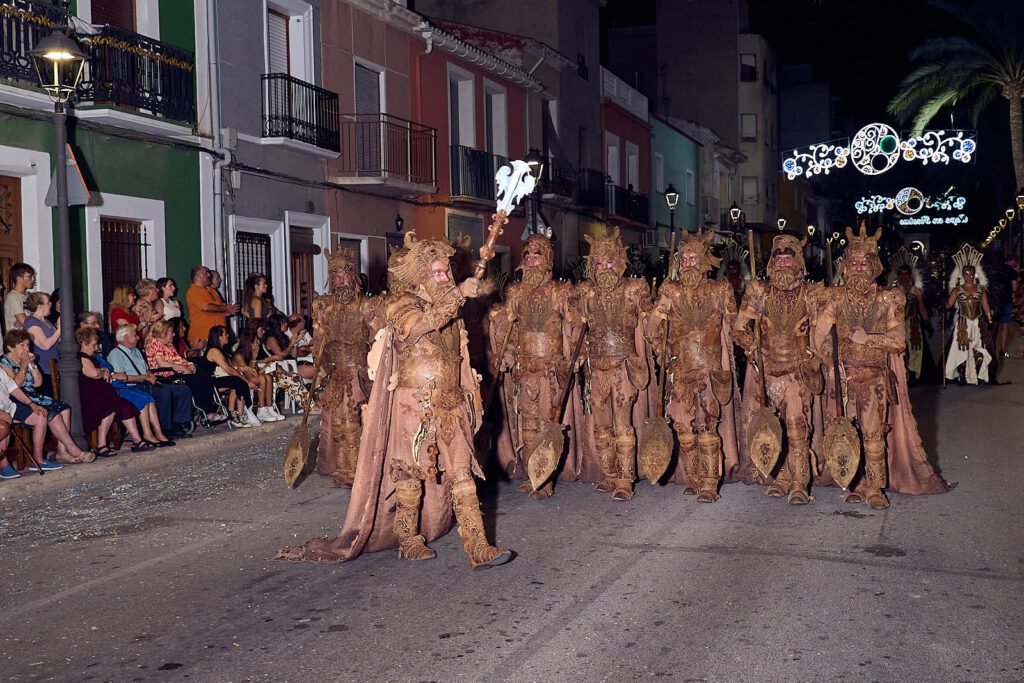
column 368, row 131
column 10, row 228
column 119, row 13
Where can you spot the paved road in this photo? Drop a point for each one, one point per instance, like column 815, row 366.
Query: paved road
column 164, row 574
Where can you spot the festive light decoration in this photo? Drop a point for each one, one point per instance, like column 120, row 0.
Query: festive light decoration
column 959, row 219
column 876, row 148
column 910, row 201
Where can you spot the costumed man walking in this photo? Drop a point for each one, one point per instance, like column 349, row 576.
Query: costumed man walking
column 907, row 277
column 700, row 314
column 535, row 329
column 419, row 424
column 783, row 310
column 869, row 323
column 618, row 363
column 967, row 291
column 340, row 322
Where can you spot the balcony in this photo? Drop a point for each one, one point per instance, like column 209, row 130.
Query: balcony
column 394, row 155
column 300, row 116
column 473, row 172
column 590, row 189
column 125, row 70
column 625, row 203
column 560, row 179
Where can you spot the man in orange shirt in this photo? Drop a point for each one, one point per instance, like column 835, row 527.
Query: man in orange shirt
column 205, row 307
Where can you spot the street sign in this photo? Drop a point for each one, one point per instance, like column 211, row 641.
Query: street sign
column 78, row 193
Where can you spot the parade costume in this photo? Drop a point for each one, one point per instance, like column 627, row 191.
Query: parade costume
column 869, row 321
column 340, row 321
column 701, row 383
column 420, row 421
column 906, row 276
column 966, row 346
column 617, row 368
column 533, row 333
column 783, row 308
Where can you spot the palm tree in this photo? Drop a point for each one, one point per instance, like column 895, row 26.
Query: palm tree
column 976, row 67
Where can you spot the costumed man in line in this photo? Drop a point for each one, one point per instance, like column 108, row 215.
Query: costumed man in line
column 907, row 277
column 869, row 321
column 700, row 313
column 783, row 308
column 341, row 322
column 535, row 327
column 618, row 365
column 967, row 291
column 734, row 270
column 420, row 422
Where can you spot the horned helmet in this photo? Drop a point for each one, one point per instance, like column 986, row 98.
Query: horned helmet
column 694, row 249
column 341, row 263
column 413, row 267
column 539, row 246
column 791, row 246
column 859, row 246
column 606, row 250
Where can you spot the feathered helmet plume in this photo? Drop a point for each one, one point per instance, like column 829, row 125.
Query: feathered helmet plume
column 967, row 256
column 904, row 258
column 734, row 252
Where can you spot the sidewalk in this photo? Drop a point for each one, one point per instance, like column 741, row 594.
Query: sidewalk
column 204, row 444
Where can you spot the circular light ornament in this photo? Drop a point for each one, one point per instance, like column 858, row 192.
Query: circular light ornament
column 909, row 201
column 875, row 149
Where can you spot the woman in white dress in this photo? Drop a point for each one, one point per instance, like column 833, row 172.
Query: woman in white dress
column 167, row 288
column 967, row 292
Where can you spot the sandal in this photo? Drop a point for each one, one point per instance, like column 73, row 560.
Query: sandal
column 142, row 446
column 106, row 452
column 165, row 444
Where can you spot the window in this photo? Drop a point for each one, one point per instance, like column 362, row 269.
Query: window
column 748, row 127
column 749, row 189
column 549, row 121
column 632, row 166
column 122, row 253
column 495, row 120
column 659, row 172
column 252, row 255
column 461, row 114
column 368, row 133
column 691, row 188
column 611, row 152
column 277, row 43
column 120, row 13
column 289, row 38
column 748, row 67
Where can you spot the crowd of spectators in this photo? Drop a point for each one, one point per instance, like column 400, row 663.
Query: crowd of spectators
column 149, row 368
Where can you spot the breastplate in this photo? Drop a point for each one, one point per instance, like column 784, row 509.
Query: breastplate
column 695, row 333
column 872, row 319
column 785, row 324
column 540, row 333
column 970, row 304
column 612, row 325
column 434, row 361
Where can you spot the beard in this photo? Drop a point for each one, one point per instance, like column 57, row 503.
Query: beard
column 784, row 278
column 534, row 277
column 690, row 277
column 859, row 282
column 606, row 280
column 437, row 290
column 345, row 293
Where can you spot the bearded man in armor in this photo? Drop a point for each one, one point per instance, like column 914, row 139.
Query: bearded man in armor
column 700, row 314
column 869, row 323
column 340, row 321
column 618, row 362
column 783, row 310
column 536, row 322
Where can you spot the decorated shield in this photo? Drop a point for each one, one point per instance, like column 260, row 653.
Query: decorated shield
column 842, row 450
column 765, row 440
column 543, row 455
column 654, row 452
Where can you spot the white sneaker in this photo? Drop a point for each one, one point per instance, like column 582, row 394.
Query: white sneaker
column 271, row 415
column 276, row 412
column 251, row 418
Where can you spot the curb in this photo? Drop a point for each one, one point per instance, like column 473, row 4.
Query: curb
column 202, row 445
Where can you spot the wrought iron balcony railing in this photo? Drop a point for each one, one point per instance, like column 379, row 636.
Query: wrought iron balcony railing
column 123, row 68
column 627, row 204
column 473, row 172
column 560, row 178
column 300, row 111
column 387, row 146
column 591, row 189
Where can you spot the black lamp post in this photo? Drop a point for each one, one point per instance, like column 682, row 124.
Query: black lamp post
column 737, row 218
column 1020, row 225
column 672, row 200
column 536, row 163
column 59, row 62
column 399, row 222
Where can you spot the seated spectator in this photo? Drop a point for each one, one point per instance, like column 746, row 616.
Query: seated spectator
column 134, row 389
column 6, row 471
column 298, row 335
column 147, row 306
column 100, row 402
column 18, row 364
column 245, row 359
column 95, row 321
column 45, row 337
column 121, row 305
column 167, row 288
column 227, row 376
column 180, row 338
column 173, row 401
column 23, row 278
column 165, row 362
column 280, row 346
column 16, row 405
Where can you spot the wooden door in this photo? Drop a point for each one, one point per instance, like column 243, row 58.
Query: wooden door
column 11, row 234
column 303, row 286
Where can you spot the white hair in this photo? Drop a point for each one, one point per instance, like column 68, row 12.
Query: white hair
column 123, row 331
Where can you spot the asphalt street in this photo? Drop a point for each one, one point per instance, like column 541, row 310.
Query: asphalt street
column 163, row 573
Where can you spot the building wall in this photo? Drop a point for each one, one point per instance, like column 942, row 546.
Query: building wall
column 760, row 99
column 681, row 154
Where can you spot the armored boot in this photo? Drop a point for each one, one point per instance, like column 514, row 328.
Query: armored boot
column 348, row 435
column 625, row 456
column 411, row 545
column 471, row 526
column 798, row 460
column 711, row 459
column 689, row 459
column 604, row 444
column 874, row 474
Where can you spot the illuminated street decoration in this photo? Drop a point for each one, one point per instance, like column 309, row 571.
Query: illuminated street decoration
column 910, row 201
column 959, row 219
column 876, row 148
column 876, row 203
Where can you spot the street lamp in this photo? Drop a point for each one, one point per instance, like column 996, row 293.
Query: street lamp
column 736, row 217
column 59, row 62
column 781, row 222
column 671, row 200
column 399, row 222
column 536, row 163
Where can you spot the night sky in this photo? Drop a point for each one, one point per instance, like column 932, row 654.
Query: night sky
column 862, row 48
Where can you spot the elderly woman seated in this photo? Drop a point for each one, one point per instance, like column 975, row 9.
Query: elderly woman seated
column 18, row 362
column 166, row 363
column 100, row 402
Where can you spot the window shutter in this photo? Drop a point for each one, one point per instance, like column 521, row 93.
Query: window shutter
column 277, row 42
column 120, row 13
column 367, row 90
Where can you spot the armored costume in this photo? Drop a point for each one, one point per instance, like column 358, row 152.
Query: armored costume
column 534, row 335
column 618, row 365
column 783, row 308
column 341, row 322
column 907, row 277
column 422, row 415
column 967, row 291
column 700, row 314
column 869, row 322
